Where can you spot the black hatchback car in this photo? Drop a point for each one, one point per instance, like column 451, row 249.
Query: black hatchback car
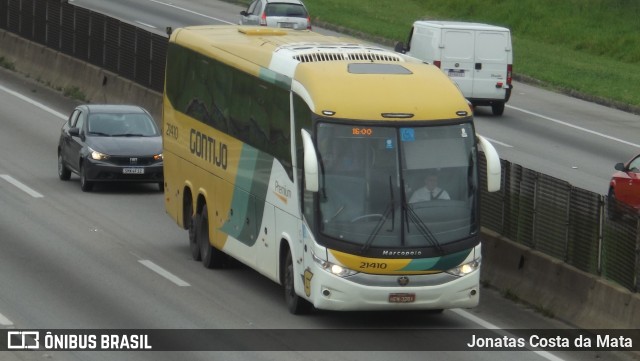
column 110, row 143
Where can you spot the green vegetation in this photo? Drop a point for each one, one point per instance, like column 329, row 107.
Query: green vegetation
column 74, row 92
column 580, row 46
column 6, row 63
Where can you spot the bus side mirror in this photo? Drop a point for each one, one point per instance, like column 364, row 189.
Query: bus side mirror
column 310, row 162
column 494, row 171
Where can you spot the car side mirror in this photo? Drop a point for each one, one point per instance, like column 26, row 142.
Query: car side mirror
column 399, row 48
column 74, row 132
column 244, row 13
column 619, row 166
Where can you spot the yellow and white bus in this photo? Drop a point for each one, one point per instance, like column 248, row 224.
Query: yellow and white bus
column 298, row 155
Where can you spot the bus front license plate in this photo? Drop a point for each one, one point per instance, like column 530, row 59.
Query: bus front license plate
column 402, row 297
column 133, row 170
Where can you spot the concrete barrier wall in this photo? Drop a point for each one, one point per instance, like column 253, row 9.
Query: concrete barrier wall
column 555, row 288
column 60, row 71
column 548, row 284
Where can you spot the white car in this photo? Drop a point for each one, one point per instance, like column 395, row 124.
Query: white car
column 290, row 14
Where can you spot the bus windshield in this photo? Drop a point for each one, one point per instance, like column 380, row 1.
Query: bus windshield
column 395, row 188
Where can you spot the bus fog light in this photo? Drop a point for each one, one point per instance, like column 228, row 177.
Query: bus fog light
column 465, row 269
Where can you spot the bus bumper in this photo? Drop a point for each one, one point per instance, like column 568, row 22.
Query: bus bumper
column 330, row 292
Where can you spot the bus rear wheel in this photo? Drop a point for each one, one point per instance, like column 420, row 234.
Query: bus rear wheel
column 296, row 304
column 191, row 221
column 211, row 257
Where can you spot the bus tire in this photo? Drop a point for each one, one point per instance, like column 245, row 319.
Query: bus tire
column 191, row 221
column 211, row 257
column 296, row 304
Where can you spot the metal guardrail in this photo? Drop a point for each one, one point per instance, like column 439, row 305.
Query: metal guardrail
column 565, row 222
column 534, row 209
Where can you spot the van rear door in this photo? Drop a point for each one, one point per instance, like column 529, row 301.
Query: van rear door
column 458, row 58
column 492, row 54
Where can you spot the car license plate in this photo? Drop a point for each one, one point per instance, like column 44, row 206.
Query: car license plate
column 402, row 297
column 132, row 170
column 286, row 25
column 459, row 73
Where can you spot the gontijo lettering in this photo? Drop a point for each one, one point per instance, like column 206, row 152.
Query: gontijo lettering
column 205, row 147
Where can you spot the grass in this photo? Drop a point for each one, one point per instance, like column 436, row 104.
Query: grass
column 6, row 63
column 585, row 47
column 74, row 92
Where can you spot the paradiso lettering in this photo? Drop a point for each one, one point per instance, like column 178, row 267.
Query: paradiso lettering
column 207, row 148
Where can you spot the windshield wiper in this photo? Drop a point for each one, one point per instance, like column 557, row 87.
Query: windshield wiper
column 100, row 134
column 128, row 135
column 390, row 209
column 421, row 226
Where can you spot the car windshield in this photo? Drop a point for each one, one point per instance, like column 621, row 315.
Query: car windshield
column 121, row 125
column 397, row 187
column 286, row 10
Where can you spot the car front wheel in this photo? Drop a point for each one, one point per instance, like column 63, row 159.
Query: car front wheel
column 85, row 185
column 63, row 172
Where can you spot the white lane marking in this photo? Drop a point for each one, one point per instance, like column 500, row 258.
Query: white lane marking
column 575, row 126
column 145, row 24
column 164, row 273
column 488, row 325
column 34, row 103
column 190, row 11
column 500, row 143
column 21, row 186
column 5, row 321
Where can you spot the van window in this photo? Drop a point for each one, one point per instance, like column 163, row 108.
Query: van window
column 458, row 45
column 491, row 46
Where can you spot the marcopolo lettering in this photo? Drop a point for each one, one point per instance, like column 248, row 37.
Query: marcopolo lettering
column 207, row 148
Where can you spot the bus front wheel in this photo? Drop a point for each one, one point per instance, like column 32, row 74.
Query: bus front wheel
column 296, row 304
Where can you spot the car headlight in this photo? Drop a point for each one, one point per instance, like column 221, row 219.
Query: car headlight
column 466, row 268
column 158, row 157
column 94, row 154
column 333, row 268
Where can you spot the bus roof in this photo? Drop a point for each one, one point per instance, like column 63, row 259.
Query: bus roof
column 341, row 75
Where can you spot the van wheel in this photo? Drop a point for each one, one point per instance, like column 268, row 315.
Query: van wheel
column 296, row 304
column 497, row 108
column 211, row 257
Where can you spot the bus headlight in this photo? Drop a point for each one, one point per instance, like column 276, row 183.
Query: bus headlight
column 94, row 154
column 333, row 268
column 466, row 268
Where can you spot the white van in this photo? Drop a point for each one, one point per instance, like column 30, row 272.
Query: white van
column 477, row 57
